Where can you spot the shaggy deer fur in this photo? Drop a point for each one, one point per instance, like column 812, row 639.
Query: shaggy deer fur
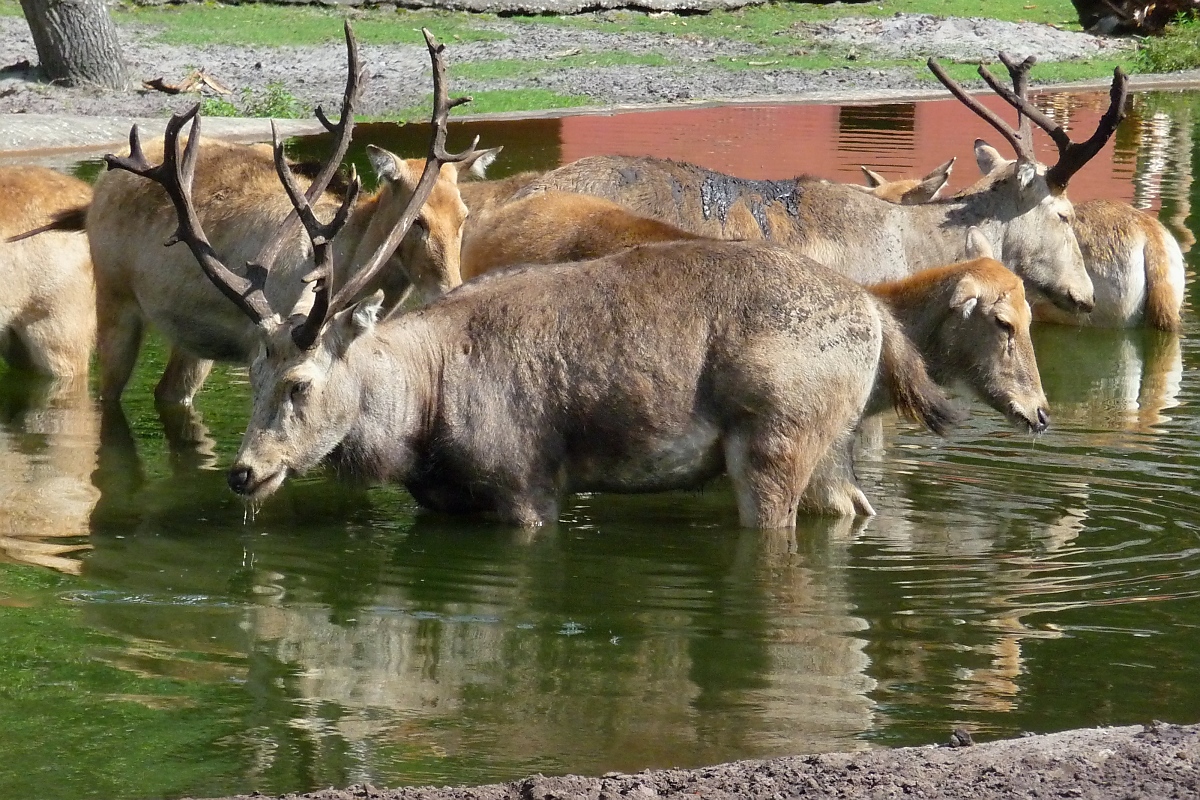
column 656, row 368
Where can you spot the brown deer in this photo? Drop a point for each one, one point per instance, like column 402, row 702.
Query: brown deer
column 1135, row 264
column 141, row 280
column 1023, row 210
column 970, row 320
column 48, row 305
column 653, row 369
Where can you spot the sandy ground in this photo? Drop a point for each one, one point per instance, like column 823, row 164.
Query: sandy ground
column 315, row 74
column 1157, row 762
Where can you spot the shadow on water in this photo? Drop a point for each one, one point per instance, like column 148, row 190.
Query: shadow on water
column 341, row 634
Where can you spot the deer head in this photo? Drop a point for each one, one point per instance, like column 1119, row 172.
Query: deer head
column 1038, row 242
column 298, row 352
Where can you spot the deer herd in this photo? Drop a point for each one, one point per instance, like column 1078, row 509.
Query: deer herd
column 626, row 324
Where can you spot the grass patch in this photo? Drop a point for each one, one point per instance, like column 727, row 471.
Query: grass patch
column 515, row 68
column 10, row 8
column 1042, row 72
column 765, row 25
column 275, row 26
column 1178, row 48
column 275, row 102
column 492, row 102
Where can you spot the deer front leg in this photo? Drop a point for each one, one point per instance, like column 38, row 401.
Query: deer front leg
column 182, row 378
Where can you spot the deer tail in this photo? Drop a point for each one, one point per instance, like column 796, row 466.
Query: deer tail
column 71, row 219
column 1164, row 279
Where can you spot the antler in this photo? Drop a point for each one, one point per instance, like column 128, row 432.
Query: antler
column 1071, row 155
column 309, row 321
column 1019, row 73
column 342, row 132
column 175, row 176
column 434, row 160
column 1024, row 149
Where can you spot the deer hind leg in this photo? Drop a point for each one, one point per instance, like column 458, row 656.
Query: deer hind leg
column 54, row 350
column 770, row 465
column 833, row 487
column 182, row 378
column 118, row 340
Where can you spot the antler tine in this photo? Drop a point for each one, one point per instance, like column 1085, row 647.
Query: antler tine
column 175, row 176
column 305, row 330
column 983, row 111
column 1019, row 73
column 434, row 160
column 1079, row 153
column 342, row 131
column 1027, row 108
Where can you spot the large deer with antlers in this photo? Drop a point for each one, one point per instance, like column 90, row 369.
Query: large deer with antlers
column 1135, row 264
column 240, row 202
column 1022, row 210
column 657, row 368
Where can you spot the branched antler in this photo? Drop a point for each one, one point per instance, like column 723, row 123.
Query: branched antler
column 308, row 321
column 1023, row 149
column 434, row 160
column 175, row 175
column 1071, row 155
column 342, row 131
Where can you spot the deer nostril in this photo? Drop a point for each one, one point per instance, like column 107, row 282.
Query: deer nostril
column 239, row 479
column 1043, row 419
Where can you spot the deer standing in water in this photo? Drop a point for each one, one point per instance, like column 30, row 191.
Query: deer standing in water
column 656, row 368
column 1022, row 210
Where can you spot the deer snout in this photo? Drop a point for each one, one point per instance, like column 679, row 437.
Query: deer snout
column 240, row 478
column 1043, row 421
column 1083, row 304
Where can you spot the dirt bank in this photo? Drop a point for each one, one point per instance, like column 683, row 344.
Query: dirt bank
column 1157, row 762
column 690, row 72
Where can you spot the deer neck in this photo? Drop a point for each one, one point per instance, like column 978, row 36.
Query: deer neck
column 920, row 303
column 936, row 233
column 397, row 375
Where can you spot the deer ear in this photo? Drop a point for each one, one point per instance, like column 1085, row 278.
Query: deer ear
column 978, row 245
column 988, row 158
column 388, row 167
column 355, row 321
column 874, row 179
column 1026, row 172
column 966, row 297
column 479, row 161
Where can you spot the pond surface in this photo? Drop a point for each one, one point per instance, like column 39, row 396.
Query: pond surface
column 159, row 643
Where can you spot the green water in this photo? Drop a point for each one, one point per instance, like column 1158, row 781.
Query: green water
column 1008, row 584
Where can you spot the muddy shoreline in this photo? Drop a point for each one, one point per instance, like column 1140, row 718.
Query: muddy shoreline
column 1153, row 762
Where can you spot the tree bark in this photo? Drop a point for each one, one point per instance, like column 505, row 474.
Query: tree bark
column 76, row 42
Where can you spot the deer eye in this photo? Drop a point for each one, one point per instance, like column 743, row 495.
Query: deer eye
column 299, row 390
column 1007, row 327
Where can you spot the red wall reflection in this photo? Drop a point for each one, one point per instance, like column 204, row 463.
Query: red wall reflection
column 832, row 141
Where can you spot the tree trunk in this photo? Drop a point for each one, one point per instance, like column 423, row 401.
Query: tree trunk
column 76, row 42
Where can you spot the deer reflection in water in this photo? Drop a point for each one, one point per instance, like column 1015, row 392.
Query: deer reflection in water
column 49, row 433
